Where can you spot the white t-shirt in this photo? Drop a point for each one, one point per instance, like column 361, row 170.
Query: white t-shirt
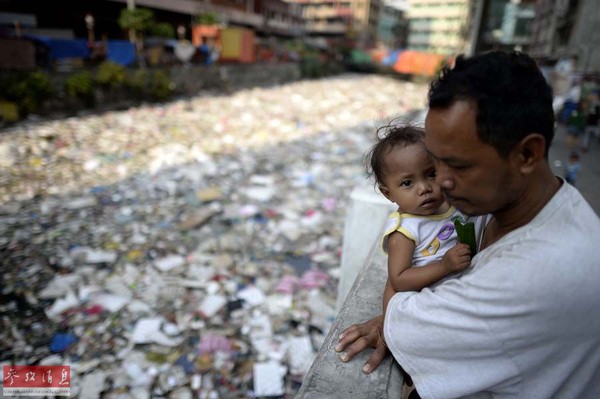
column 522, row 322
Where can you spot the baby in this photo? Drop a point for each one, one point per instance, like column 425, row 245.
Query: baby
column 420, row 237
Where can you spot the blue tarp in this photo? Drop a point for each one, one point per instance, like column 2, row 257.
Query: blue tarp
column 391, row 58
column 64, row 48
column 120, row 51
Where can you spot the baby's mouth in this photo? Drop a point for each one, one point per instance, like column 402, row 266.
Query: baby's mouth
column 428, row 202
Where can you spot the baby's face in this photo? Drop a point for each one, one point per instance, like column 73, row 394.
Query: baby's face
column 410, row 181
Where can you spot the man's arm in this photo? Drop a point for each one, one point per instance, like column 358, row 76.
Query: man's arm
column 445, row 341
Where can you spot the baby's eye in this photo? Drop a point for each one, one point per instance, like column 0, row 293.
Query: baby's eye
column 431, row 174
column 405, row 183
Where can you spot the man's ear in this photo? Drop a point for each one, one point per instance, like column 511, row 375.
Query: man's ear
column 385, row 191
column 530, row 152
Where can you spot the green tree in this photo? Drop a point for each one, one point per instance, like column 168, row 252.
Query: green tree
column 163, row 29
column 138, row 19
column 80, row 85
column 27, row 89
column 110, row 75
column 208, row 18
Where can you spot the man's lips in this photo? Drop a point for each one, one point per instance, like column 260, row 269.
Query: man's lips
column 451, row 199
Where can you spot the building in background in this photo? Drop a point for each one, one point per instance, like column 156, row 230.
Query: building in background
column 326, row 18
column 564, row 28
column 502, row 25
column 438, row 26
column 268, row 17
column 280, row 18
column 366, row 20
column 358, row 19
column 393, row 25
column 17, row 24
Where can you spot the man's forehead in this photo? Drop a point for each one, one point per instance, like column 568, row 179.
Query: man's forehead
column 448, row 148
column 459, row 112
column 454, row 125
column 444, row 157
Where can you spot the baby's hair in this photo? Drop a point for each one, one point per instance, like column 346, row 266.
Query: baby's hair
column 387, row 138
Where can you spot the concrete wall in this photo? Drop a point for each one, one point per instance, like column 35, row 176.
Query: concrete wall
column 363, row 228
column 193, row 79
column 189, row 80
column 328, row 376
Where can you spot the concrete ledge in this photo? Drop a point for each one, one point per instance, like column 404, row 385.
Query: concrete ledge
column 365, row 219
column 328, row 376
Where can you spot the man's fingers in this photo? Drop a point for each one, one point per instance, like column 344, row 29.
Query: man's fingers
column 357, row 346
column 350, row 329
column 376, row 358
column 348, row 336
column 358, row 337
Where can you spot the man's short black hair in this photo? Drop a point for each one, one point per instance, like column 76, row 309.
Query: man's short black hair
column 512, row 97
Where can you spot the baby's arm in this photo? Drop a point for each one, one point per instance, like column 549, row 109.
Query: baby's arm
column 403, row 277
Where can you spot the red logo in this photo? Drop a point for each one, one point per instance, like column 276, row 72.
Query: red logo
column 36, row 380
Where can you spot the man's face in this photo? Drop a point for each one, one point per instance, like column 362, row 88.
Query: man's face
column 473, row 177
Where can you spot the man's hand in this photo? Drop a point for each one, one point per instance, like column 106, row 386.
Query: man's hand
column 457, row 258
column 358, row 337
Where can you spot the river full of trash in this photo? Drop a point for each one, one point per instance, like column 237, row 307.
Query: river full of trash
column 189, row 249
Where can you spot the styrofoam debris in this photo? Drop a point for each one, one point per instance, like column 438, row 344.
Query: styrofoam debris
column 149, row 330
column 268, row 379
column 212, row 304
column 252, row 295
column 169, row 263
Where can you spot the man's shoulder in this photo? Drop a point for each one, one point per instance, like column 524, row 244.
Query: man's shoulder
column 567, row 210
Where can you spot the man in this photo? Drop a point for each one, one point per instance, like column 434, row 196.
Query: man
column 524, row 320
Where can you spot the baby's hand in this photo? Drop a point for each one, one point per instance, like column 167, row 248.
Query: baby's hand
column 457, row 258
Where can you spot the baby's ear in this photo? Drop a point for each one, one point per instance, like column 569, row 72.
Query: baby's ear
column 385, row 191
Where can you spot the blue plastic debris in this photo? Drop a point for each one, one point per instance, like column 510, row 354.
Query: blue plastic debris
column 61, row 342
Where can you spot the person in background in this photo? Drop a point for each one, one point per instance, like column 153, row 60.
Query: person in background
column 575, row 126
column 591, row 130
column 572, row 168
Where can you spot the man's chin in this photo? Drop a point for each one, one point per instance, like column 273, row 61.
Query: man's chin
column 465, row 207
column 470, row 211
column 455, row 202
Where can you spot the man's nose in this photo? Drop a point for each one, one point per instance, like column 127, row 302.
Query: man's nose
column 443, row 177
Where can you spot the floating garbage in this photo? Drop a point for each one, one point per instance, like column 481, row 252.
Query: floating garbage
column 189, row 249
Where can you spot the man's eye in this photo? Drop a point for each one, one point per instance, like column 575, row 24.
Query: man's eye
column 458, row 167
column 405, row 183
